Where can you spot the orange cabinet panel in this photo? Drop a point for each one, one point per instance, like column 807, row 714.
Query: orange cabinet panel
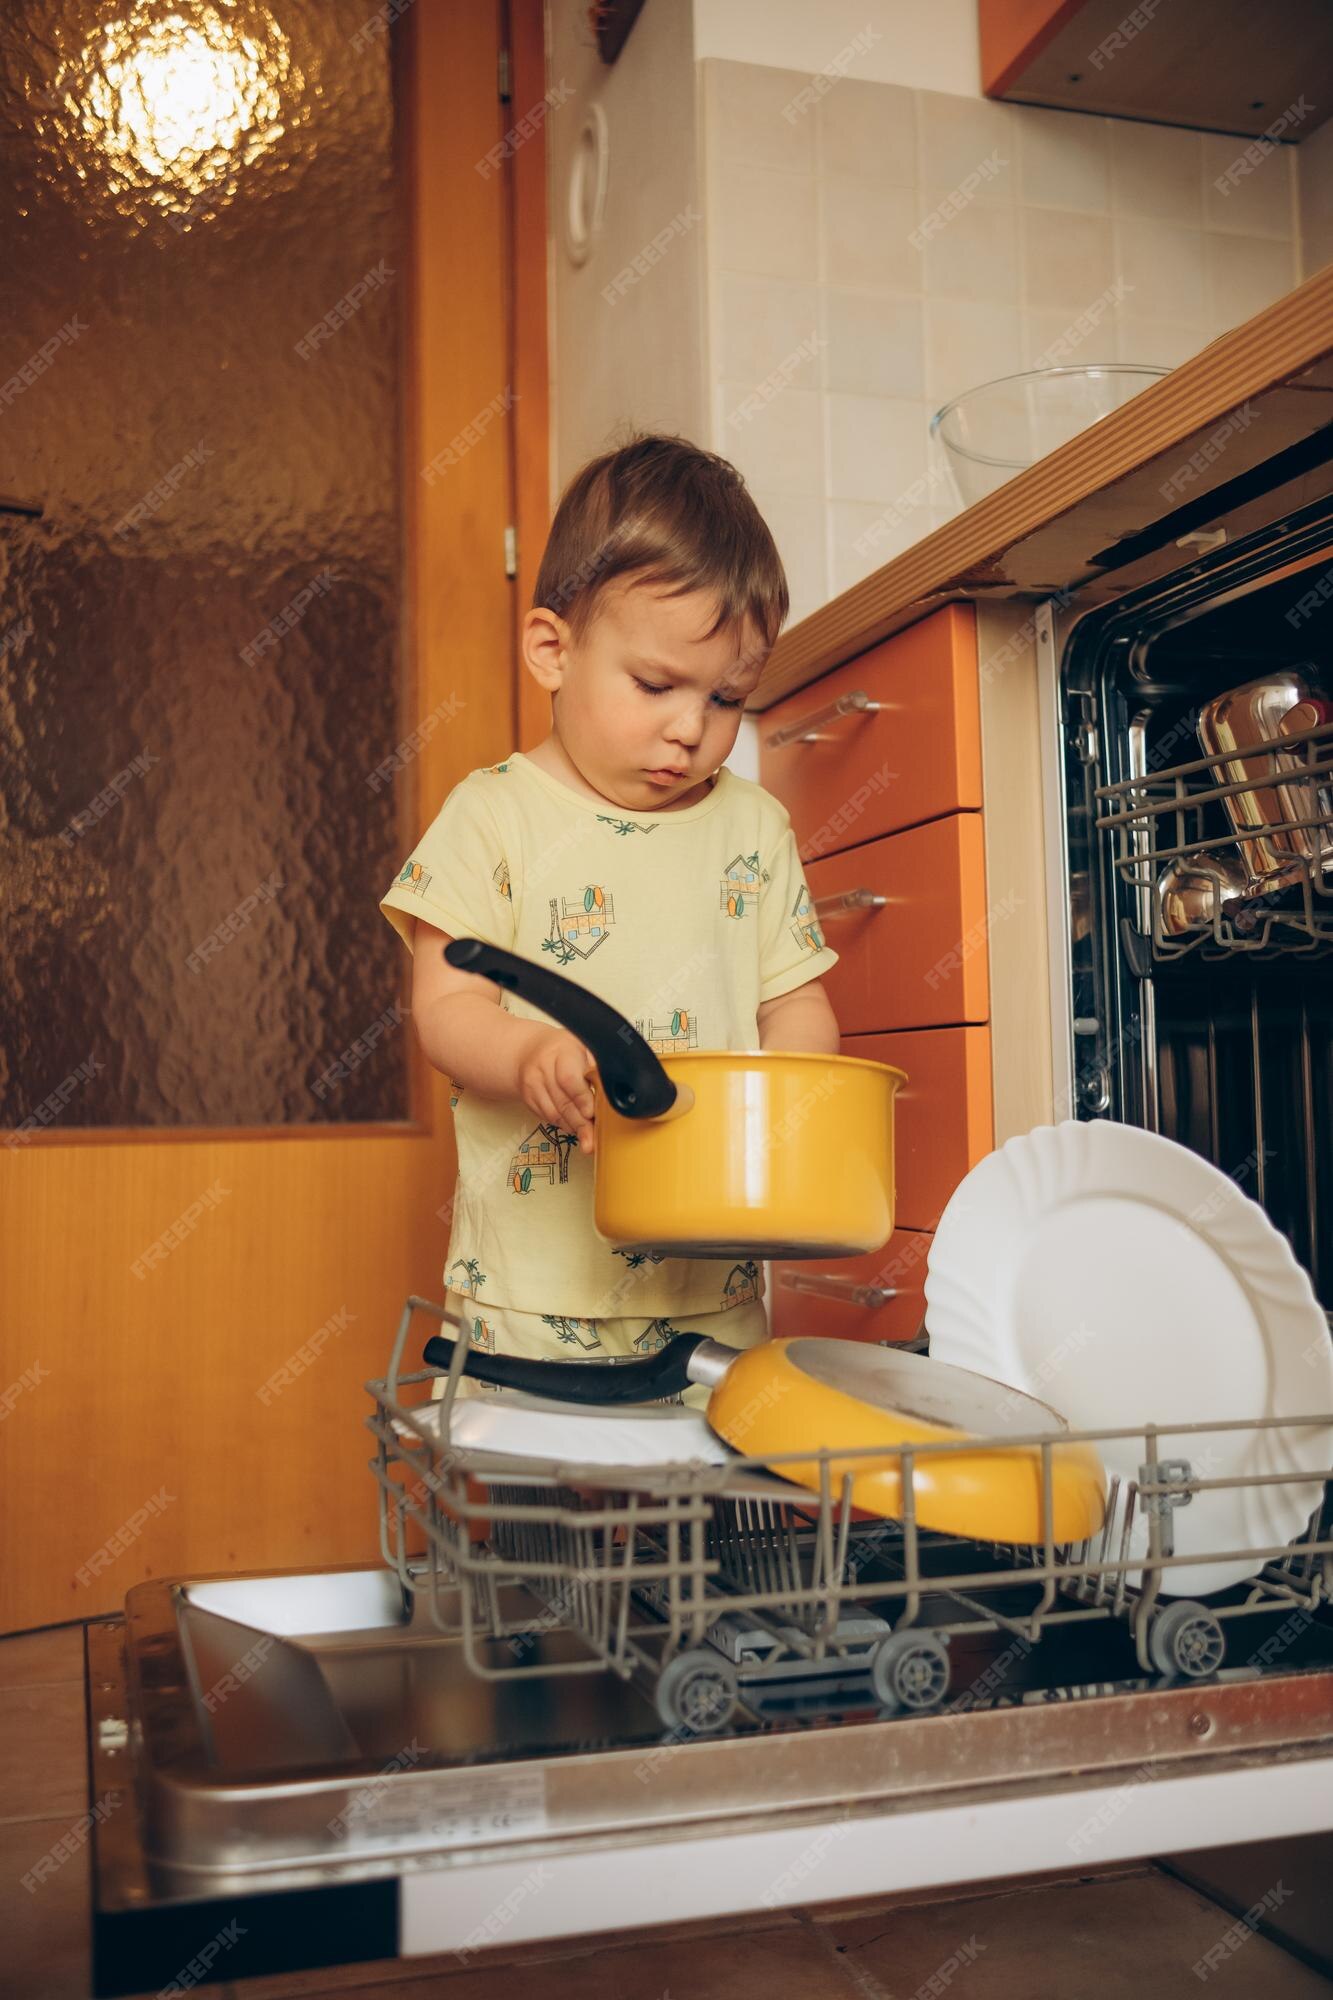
column 944, row 1123
column 920, row 960
column 899, row 1267
column 917, row 757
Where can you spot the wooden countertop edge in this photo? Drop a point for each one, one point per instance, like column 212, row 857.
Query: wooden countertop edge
column 1275, row 345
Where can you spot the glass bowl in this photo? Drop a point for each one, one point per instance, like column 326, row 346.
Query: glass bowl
column 998, row 430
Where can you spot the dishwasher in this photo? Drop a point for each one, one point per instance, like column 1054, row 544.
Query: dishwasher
column 575, row 1698
column 564, row 1703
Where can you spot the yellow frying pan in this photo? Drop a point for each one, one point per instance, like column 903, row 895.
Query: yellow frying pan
column 717, row 1153
column 807, row 1395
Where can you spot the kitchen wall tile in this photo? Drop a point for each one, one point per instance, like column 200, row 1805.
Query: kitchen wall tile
column 1316, row 247
column 797, row 524
column 1252, row 197
column 1156, row 171
column 1066, row 257
column 1314, row 168
column 752, row 114
column 1055, row 338
column 967, row 345
column 1245, row 274
column 869, row 129
column 765, row 221
column 1164, row 265
column 867, row 230
column 1157, row 343
column 1064, row 159
column 877, row 447
column 780, row 444
column 962, row 136
column 973, row 256
column 874, row 344
column 766, row 323
column 865, row 536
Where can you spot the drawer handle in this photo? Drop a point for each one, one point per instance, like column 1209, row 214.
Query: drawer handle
column 850, row 1289
column 806, row 730
column 853, row 899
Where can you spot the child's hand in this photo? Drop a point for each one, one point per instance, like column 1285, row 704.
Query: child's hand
column 551, row 1082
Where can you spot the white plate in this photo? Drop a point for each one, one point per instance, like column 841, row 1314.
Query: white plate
column 1123, row 1279
column 507, row 1420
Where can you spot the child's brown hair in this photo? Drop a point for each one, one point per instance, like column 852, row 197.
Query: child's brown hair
column 668, row 513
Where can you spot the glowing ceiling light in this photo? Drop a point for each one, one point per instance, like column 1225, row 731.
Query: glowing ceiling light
column 177, row 102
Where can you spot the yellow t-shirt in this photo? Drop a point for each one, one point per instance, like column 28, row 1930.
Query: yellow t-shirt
column 684, row 921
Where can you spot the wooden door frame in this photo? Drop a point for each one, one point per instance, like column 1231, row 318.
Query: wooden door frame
column 161, row 1384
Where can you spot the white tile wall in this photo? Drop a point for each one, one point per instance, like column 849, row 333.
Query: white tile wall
column 1316, row 200
column 1099, row 238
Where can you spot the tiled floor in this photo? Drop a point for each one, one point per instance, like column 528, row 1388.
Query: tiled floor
column 1118, row 1935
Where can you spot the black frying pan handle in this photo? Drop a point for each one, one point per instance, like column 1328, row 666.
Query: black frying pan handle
column 635, row 1082
column 604, row 1382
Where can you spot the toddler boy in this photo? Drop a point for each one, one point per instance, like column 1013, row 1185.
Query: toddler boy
column 623, row 854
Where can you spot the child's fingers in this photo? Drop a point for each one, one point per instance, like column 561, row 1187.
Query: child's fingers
column 570, row 1079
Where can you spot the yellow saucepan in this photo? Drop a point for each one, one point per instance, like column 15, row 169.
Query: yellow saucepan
column 807, row 1395
column 716, row 1153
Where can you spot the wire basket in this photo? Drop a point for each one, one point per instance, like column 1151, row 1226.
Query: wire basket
column 714, row 1584
column 1171, row 817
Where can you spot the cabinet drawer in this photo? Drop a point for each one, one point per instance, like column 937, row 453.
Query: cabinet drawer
column 919, row 960
column 899, row 1267
column 944, row 1123
column 868, row 774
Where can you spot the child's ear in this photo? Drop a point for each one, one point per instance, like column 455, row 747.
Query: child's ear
column 546, row 638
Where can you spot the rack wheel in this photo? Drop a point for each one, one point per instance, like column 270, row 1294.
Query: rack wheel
column 1186, row 1639
column 910, row 1670
column 696, row 1692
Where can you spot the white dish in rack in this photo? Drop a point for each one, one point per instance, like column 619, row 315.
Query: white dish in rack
column 1123, row 1279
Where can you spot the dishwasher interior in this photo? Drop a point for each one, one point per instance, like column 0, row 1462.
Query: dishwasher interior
column 1217, row 1033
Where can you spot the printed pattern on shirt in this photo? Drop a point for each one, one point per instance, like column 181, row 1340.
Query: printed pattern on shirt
column 464, row 1275
column 678, row 1030
column 628, row 825
column 545, row 1150
column 483, row 1335
column 655, row 1336
column 635, row 1258
column 414, row 878
column 500, row 877
column 494, row 770
column 741, row 1285
column 579, row 923
column 742, row 885
column 574, row 1332
column 805, row 925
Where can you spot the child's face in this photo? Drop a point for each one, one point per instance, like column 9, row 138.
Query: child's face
column 641, row 748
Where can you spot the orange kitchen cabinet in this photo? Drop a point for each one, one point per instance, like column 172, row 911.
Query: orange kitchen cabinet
column 920, row 959
column 866, row 774
column 900, row 1267
column 944, row 1122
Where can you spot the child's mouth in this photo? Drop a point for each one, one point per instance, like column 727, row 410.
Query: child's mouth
column 666, row 776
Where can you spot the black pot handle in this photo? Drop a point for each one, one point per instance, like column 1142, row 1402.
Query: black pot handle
column 605, row 1383
column 635, row 1082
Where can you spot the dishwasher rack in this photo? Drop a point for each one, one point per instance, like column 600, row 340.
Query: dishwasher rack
column 716, row 1586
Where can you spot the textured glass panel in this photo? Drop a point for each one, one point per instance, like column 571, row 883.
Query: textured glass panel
column 199, row 633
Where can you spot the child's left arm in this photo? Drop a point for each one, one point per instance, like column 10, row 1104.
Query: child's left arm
column 800, row 1023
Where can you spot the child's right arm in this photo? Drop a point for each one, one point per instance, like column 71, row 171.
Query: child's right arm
column 464, row 1033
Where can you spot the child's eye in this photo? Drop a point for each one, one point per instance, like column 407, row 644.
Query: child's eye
column 651, row 689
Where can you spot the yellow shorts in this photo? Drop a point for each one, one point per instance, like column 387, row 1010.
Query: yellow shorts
column 550, row 1337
